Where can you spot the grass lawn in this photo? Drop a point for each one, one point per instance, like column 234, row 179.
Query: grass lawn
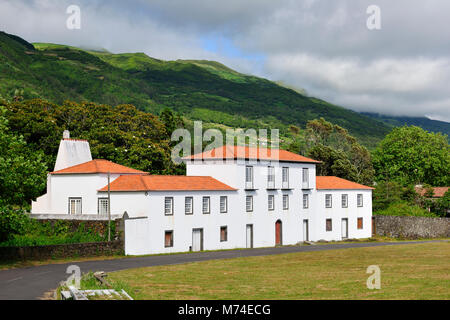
column 413, row 271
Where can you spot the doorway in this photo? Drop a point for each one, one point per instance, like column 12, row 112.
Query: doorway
column 197, row 239
column 305, row 230
column 278, row 233
column 249, row 236
column 344, row 227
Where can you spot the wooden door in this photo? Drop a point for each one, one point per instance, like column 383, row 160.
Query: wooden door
column 278, row 235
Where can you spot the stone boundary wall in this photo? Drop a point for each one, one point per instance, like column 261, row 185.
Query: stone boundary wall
column 90, row 249
column 412, row 227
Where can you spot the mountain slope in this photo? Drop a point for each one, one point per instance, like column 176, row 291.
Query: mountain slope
column 425, row 123
column 200, row 90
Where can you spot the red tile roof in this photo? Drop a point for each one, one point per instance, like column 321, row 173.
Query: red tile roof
column 244, row 152
column 166, row 183
column 330, row 183
column 438, row 192
column 98, row 166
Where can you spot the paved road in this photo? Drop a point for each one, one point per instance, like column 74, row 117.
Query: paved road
column 33, row 282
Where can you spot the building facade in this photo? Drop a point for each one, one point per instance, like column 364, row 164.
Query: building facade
column 231, row 197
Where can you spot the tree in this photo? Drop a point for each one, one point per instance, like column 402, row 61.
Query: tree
column 22, row 170
column 340, row 153
column 411, row 155
column 443, row 205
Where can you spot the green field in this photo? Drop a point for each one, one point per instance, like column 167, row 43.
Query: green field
column 413, row 271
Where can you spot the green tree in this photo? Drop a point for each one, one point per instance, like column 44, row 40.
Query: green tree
column 22, row 170
column 411, row 155
column 340, row 153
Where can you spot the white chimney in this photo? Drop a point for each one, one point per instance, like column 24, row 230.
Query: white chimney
column 72, row 152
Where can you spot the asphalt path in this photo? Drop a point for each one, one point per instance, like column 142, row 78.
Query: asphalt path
column 34, row 282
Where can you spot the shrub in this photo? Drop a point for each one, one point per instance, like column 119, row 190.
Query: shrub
column 403, row 208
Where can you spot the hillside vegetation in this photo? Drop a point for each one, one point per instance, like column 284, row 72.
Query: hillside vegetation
column 199, row 90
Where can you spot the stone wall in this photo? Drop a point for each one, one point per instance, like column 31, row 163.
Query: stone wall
column 91, row 249
column 412, row 227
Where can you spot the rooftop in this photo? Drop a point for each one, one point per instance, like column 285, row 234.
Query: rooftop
column 335, row 183
column 250, row 153
column 438, row 192
column 166, row 183
column 98, row 166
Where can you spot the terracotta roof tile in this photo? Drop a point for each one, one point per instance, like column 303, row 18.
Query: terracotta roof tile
column 98, row 166
column 438, row 192
column 244, row 152
column 166, row 183
column 330, row 183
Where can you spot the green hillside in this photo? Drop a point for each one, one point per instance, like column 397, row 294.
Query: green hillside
column 424, row 123
column 199, row 90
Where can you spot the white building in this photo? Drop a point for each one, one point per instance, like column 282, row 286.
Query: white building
column 231, row 197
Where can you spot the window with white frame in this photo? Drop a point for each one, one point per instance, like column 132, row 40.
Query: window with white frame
column 360, row 199
column 189, row 205
column 206, row 205
column 75, row 206
column 271, row 202
column 168, row 206
column 285, row 201
column 305, row 201
column 285, row 177
column 270, row 177
column 223, row 204
column 103, row 206
column 328, row 201
column 249, row 203
column 305, row 178
column 249, row 177
column 344, row 201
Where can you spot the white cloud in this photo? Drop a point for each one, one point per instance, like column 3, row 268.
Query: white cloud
column 322, row 46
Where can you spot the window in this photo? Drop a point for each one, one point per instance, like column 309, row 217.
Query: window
column 271, row 202
column 223, row 234
column 189, row 205
column 305, row 201
column 328, row 201
column 168, row 239
column 345, row 201
column 223, row 204
column 360, row 200
column 305, row 178
column 270, row 177
column 285, row 201
column 249, row 177
column 360, row 223
column 74, row 205
column 168, row 206
column 329, row 226
column 249, row 203
column 285, row 177
column 206, row 205
column 103, row 206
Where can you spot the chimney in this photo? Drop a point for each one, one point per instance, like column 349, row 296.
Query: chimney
column 72, row 152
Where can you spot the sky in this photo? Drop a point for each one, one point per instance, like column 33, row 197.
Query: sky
column 323, row 47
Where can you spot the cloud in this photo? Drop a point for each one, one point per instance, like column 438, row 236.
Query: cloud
column 321, row 46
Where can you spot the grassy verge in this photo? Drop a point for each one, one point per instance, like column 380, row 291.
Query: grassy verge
column 415, row 271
